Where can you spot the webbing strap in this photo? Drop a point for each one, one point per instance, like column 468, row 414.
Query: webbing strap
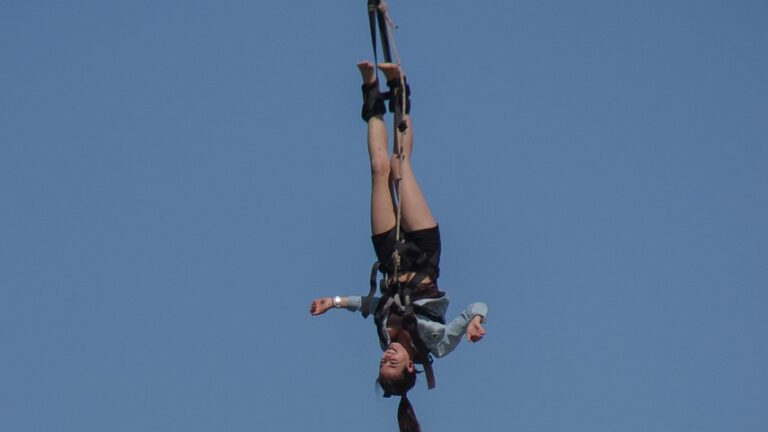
column 402, row 300
column 368, row 300
column 372, row 7
column 409, row 324
column 376, row 12
column 380, row 14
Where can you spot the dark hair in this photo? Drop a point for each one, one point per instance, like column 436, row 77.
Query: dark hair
column 406, row 417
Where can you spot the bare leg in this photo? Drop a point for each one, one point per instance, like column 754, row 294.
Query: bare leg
column 382, row 208
column 415, row 211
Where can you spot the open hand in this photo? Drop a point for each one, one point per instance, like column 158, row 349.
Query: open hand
column 475, row 330
column 320, row 306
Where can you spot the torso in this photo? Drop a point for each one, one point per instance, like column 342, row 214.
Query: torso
column 403, row 338
column 394, row 319
column 407, row 276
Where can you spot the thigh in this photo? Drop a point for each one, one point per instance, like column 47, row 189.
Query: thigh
column 415, row 212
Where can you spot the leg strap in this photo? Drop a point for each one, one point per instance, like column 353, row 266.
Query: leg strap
column 373, row 102
column 395, row 95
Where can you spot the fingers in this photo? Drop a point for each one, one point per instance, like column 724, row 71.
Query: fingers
column 475, row 333
column 472, row 338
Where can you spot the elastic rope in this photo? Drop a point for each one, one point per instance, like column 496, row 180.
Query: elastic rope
column 400, row 127
column 399, row 131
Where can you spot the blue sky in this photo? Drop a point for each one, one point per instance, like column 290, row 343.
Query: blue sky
column 179, row 179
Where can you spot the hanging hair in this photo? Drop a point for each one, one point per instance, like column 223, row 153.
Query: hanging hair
column 406, row 416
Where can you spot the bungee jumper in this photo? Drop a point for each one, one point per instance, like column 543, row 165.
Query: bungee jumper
column 409, row 312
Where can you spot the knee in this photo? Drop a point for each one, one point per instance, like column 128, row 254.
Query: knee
column 394, row 163
column 380, row 167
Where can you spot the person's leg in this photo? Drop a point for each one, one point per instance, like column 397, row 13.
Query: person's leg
column 382, row 208
column 415, row 213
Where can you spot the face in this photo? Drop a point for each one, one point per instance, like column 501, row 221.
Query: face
column 394, row 361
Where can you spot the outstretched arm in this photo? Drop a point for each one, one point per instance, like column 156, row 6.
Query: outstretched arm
column 321, row 305
column 350, row 303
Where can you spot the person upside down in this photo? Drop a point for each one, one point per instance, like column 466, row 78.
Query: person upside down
column 419, row 255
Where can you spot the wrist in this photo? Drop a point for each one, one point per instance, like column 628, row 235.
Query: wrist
column 336, row 302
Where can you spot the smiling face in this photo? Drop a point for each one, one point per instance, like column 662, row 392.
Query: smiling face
column 394, row 362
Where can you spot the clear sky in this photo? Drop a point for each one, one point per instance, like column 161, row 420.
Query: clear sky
column 179, row 179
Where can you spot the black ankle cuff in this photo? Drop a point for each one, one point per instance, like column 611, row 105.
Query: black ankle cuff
column 395, row 95
column 373, row 102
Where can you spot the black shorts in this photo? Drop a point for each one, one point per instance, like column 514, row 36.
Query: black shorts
column 427, row 240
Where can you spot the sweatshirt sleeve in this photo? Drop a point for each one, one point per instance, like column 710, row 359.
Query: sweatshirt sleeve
column 355, row 303
column 454, row 331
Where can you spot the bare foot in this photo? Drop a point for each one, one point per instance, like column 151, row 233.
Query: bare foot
column 367, row 71
column 391, row 70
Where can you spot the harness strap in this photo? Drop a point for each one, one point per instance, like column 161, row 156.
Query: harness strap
column 383, row 30
column 400, row 296
column 372, row 6
column 377, row 11
column 422, row 353
column 368, row 300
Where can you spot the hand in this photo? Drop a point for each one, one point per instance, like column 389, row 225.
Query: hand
column 321, row 306
column 475, row 330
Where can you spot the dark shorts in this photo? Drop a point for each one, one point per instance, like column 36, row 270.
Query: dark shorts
column 427, row 240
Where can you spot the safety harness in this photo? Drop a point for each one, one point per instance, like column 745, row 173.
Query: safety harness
column 399, row 296
column 406, row 256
